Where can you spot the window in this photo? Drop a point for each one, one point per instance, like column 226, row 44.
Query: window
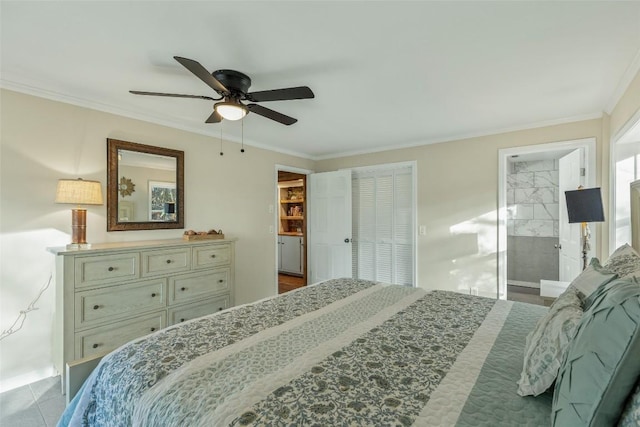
column 626, row 169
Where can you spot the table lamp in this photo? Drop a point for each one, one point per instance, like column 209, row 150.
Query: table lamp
column 79, row 192
column 584, row 205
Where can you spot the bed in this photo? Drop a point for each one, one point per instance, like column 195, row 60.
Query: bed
column 343, row 352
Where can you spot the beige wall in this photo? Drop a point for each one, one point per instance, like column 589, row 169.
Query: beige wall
column 457, row 201
column 43, row 141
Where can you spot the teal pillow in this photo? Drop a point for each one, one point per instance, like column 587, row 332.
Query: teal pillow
column 601, row 366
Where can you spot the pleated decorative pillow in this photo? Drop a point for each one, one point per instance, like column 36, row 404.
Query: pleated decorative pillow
column 601, row 367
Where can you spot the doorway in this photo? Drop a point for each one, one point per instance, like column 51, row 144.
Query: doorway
column 291, row 213
column 530, row 214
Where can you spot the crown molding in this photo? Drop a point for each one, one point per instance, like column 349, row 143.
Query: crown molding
column 163, row 121
column 624, row 83
column 460, row 137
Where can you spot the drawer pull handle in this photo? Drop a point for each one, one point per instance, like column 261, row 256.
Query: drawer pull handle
column 95, row 307
column 168, row 261
column 182, row 320
column 221, row 281
column 153, row 295
column 153, row 329
column 183, row 289
column 213, row 256
column 220, row 308
column 96, row 345
column 111, row 268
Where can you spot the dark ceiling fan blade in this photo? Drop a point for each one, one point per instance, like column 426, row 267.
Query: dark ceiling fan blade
column 214, row 118
column 270, row 114
column 173, row 95
column 300, row 92
column 196, row 68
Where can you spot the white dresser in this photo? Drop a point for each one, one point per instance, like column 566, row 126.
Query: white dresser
column 115, row 292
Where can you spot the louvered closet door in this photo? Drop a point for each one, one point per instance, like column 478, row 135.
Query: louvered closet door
column 383, row 225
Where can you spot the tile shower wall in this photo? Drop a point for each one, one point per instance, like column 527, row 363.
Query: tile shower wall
column 532, row 227
column 532, row 198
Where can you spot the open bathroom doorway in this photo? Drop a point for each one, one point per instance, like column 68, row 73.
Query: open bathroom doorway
column 537, row 244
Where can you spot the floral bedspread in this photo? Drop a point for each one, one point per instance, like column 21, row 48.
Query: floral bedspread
column 344, row 352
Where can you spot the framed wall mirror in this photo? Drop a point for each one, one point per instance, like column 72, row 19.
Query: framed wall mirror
column 145, row 187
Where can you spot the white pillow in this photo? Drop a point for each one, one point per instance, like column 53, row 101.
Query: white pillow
column 548, row 342
column 592, row 278
column 625, row 261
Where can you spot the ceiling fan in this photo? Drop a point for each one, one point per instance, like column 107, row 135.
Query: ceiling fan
column 232, row 86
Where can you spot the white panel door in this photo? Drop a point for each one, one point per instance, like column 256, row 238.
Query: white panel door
column 329, row 218
column 570, row 247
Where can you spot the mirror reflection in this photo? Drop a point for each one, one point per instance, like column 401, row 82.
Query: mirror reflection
column 144, row 188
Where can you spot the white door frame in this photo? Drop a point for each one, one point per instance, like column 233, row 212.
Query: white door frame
column 276, row 209
column 589, row 146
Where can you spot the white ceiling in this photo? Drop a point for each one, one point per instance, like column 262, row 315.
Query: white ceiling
column 385, row 73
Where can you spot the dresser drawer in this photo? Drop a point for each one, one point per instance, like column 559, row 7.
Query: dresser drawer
column 211, row 256
column 188, row 287
column 167, row 261
column 97, row 270
column 198, row 309
column 105, row 338
column 115, row 302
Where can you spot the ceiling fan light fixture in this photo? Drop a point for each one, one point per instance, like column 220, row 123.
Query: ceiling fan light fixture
column 230, row 110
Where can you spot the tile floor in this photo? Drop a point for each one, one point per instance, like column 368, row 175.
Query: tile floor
column 39, row 404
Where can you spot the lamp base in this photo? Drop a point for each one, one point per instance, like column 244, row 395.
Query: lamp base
column 78, row 229
column 78, row 246
column 586, row 246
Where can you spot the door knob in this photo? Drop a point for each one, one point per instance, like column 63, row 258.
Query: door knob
column 347, row 240
column 557, row 246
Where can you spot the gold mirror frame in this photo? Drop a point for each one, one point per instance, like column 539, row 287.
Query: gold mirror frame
column 113, row 147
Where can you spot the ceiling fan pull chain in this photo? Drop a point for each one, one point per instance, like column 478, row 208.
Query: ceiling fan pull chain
column 221, row 153
column 242, row 136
